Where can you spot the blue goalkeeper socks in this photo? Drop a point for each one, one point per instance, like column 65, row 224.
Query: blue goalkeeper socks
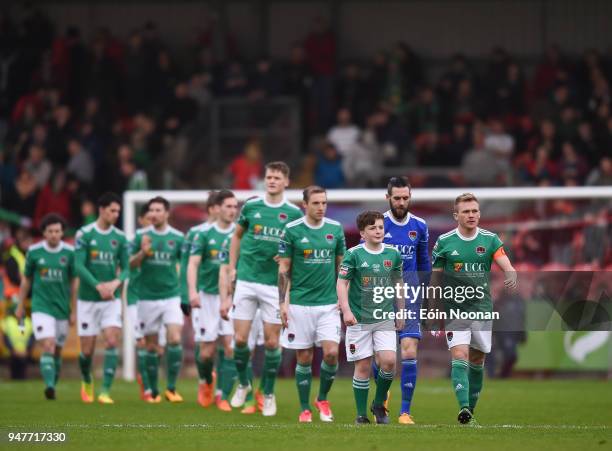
column 409, row 376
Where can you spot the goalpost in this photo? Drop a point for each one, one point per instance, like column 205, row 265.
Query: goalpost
column 343, row 196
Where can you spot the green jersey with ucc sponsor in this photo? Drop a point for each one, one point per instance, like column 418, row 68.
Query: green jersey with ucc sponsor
column 466, row 263
column 99, row 255
column 313, row 252
column 368, row 270
column 185, row 253
column 51, row 271
column 263, row 223
column 159, row 278
column 209, row 244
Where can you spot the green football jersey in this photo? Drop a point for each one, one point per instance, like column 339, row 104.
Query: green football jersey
column 159, row 278
column 99, row 255
column 132, row 291
column 209, row 244
column 466, row 262
column 263, row 223
column 51, row 271
column 185, row 254
column 313, row 252
column 367, row 270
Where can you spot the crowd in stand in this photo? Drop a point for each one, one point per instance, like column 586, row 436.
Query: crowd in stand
column 80, row 115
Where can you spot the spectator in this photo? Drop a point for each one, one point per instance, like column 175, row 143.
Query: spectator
column 38, row 165
column 345, row 134
column 328, row 171
column 350, row 91
column 362, row 162
column 548, row 71
column 14, row 260
column 264, row 82
column 459, row 145
column 499, row 143
column 478, row 158
column 246, row 170
column 586, row 145
column 59, row 132
column 182, row 110
column 571, row 165
column 135, row 70
column 162, row 80
column 320, row 46
column 236, row 81
column 199, row 88
column 22, row 198
column 80, row 164
column 298, row 83
column 19, row 341
column 133, row 178
column 602, row 175
column 55, row 197
column 424, row 113
column 596, row 240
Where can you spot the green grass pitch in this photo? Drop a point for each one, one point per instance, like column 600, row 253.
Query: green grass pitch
column 515, row 415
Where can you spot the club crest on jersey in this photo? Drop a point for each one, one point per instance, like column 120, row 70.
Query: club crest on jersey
column 387, row 264
column 307, row 253
column 282, row 217
column 114, row 243
column 257, row 228
column 291, row 337
column 352, row 348
column 457, row 266
column 329, row 237
column 93, row 254
column 171, row 243
column 63, row 260
column 412, row 235
column 214, row 253
column 480, row 250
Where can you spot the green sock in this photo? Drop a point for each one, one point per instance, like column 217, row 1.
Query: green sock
column 303, row 380
column 229, row 377
column 173, row 364
column 85, row 365
column 152, row 371
column 262, row 381
column 241, row 356
column 58, row 367
column 207, row 369
column 249, row 373
column 272, row 361
column 47, row 369
column 328, row 374
column 219, row 367
column 461, row 384
column 475, row 377
column 110, row 365
column 383, row 383
column 360, row 391
column 199, row 364
column 142, row 368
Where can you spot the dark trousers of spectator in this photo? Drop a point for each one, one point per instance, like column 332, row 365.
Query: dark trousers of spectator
column 503, row 356
column 18, row 366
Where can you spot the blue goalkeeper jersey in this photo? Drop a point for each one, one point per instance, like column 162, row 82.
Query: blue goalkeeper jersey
column 411, row 238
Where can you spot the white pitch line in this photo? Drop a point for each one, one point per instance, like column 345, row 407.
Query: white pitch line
column 576, row 427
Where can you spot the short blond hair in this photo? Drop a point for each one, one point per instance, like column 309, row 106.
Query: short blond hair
column 465, row 197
